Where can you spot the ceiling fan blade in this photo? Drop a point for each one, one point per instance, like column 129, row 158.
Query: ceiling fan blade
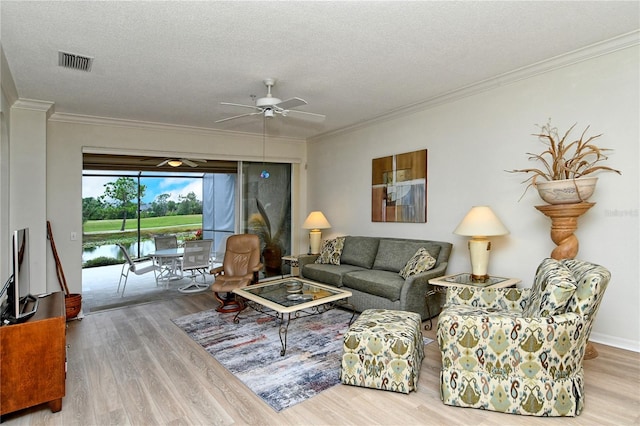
column 163, row 163
column 305, row 115
column 291, row 103
column 238, row 116
column 188, row 162
column 241, row 105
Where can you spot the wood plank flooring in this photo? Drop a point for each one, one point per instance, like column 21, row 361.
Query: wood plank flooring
column 133, row 366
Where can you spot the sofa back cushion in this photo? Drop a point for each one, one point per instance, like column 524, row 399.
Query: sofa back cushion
column 551, row 291
column 393, row 255
column 359, row 251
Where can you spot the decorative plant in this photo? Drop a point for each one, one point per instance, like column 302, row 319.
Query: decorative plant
column 563, row 159
column 260, row 224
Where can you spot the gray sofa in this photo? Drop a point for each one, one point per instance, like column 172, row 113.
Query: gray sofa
column 369, row 268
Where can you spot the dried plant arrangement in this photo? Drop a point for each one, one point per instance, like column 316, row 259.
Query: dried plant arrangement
column 564, row 159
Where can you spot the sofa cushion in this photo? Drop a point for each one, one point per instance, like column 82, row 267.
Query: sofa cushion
column 359, row 251
column 385, row 284
column 393, row 255
column 327, row 274
column 551, row 291
column 331, row 251
column 420, row 262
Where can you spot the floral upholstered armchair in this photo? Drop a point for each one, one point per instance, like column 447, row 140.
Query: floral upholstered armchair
column 520, row 351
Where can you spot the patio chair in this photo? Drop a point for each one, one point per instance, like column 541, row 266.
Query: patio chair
column 196, row 258
column 130, row 265
column 240, row 268
column 169, row 267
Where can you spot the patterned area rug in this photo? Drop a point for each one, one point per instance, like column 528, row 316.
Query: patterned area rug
column 251, row 351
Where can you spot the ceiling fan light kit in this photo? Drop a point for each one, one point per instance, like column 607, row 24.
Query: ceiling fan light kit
column 177, row 162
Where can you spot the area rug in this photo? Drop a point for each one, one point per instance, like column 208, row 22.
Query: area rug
column 251, row 351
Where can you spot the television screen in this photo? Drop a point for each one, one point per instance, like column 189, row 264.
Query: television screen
column 20, row 303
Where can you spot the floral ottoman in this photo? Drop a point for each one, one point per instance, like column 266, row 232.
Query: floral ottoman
column 383, row 349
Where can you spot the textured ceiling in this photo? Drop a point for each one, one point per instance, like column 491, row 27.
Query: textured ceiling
column 174, row 62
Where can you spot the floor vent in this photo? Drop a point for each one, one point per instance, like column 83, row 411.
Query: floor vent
column 76, row 62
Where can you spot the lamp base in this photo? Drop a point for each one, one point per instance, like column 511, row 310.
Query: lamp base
column 315, row 238
column 479, row 249
column 479, row 278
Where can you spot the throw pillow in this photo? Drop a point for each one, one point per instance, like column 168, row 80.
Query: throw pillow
column 420, row 262
column 331, row 251
column 551, row 291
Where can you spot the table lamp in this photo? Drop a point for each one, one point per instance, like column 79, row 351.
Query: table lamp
column 315, row 222
column 480, row 223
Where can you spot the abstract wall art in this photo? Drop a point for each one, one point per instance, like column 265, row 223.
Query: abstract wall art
column 399, row 188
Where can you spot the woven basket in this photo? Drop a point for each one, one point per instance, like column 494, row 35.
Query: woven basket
column 73, row 303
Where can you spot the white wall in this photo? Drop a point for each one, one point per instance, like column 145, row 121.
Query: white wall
column 27, row 182
column 471, row 141
column 8, row 96
column 68, row 136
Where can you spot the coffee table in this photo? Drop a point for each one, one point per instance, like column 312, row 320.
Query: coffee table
column 290, row 298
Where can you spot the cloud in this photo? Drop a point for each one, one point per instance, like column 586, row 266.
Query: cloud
column 93, row 186
column 176, row 187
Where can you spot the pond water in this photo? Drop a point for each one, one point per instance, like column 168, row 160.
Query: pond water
column 112, row 250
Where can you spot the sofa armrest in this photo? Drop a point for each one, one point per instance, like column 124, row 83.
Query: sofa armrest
column 415, row 288
column 423, row 277
column 305, row 259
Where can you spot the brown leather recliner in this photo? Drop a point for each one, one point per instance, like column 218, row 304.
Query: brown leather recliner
column 240, row 268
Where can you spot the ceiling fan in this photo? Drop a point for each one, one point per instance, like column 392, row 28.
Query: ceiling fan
column 177, row 162
column 270, row 105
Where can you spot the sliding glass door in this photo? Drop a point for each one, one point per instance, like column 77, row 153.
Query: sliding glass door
column 131, row 206
column 266, row 210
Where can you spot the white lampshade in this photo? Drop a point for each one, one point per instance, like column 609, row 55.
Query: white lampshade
column 481, row 221
column 315, row 222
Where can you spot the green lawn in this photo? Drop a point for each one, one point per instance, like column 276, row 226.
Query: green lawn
column 102, row 226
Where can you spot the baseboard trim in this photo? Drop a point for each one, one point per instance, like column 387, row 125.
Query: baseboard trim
column 616, row 342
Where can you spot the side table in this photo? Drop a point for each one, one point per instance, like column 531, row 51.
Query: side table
column 292, row 260
column 440, row 285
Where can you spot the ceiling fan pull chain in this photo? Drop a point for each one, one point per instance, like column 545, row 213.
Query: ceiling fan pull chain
column 265, row 173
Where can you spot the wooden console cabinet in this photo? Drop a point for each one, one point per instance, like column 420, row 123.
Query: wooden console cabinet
column 33, row 358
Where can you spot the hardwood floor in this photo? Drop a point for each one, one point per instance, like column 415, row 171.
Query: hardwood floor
column 134, row 366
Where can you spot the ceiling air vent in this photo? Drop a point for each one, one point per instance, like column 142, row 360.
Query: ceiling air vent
column 76, row 62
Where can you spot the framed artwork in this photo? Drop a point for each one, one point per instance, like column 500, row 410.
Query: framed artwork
column 399, row 188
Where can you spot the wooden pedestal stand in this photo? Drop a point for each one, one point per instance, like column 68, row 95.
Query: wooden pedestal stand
column 564, row 222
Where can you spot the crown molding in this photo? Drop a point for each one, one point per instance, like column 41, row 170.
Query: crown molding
column 34, row 105
column 574, row 57
column 148, row 125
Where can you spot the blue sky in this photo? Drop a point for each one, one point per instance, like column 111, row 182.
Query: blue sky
column 93, row 186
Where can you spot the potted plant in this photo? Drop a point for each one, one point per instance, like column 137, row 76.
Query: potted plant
column 565, row 163
column 260, row 225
